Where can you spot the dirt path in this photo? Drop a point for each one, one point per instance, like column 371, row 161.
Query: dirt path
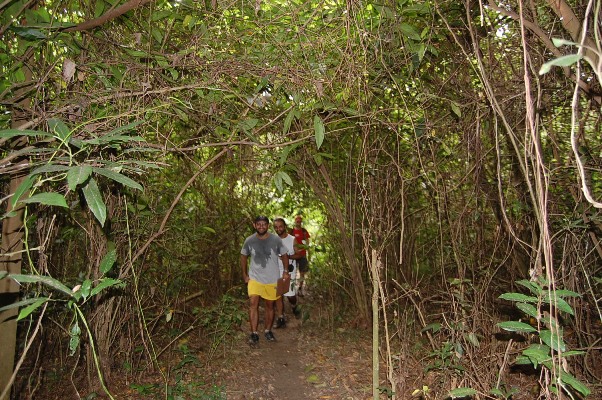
column 272, row 370
column 304, row 363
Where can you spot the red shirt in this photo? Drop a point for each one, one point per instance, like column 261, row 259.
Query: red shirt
column 302, row 236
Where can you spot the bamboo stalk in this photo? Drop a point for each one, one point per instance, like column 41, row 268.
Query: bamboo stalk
column 375, row 369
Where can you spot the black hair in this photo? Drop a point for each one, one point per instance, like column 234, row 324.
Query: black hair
column 262, row 218
column 281, row 220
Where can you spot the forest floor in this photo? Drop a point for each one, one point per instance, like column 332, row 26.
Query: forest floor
column 305, row 362
column 318, row 356
column 310, row 359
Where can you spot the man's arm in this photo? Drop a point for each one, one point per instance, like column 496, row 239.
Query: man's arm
column 297, row 249
column 284, row 259
column 243, row 266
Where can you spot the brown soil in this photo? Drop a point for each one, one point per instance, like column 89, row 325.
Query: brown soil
column 305, row 362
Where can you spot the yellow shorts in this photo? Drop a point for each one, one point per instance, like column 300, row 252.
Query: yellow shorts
column 263, row 290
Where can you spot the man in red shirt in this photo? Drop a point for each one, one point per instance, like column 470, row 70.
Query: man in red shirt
column 302, row 236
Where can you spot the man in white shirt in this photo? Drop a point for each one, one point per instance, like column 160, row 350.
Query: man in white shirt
column 291, row 243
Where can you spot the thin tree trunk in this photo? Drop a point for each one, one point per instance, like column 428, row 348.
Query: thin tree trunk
column 375, row 321
column 11, row 256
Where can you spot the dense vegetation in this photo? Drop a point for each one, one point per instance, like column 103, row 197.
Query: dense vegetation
column 447, row 152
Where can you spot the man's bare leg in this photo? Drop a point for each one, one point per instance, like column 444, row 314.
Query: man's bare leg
column 254, row 312
column 280, row 322
column 269, row 314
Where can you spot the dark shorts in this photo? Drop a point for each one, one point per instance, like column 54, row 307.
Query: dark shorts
column 303, row 264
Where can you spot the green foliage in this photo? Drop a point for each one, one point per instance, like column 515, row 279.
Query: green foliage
column 73, row 166
column 319, row 130
column 548, row 329
column 282, row 177
column 446, row 358
column 220, row 318
column 503, row 393
column 461, row 392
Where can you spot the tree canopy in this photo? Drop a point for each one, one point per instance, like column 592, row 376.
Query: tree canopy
column 448, row 152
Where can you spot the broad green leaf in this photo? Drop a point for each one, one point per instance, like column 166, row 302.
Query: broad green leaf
column 319, row 130
column 60, row 128
column 409, row 31
column 21, row 190
column 562, row 61
column 561, row 304
column 532, row 286
column 49, row 168
column 288, row 121
column 456, row 109
column 327, row 156
column 9, row 133
column 562, row 42
column 553, row 339
column 286, row 151
column 248, row 124
column 20, row 303
column 47, row 280
column 435, row 327
column 208, row 229
column 516, row 326
column 286, row 178
column 528, row 309
column 472, row 338
column 189, row 21
column 9, row 214
column 103, row 284
column 29, row 34
column 573, row 353
column 78, row 175
column 49, row 199
column 95, row 201
column 74, row 341
column 124, row 128
column 108, row 261
column 317, row 158
column 537, row 353
column 32, row 307
column 416, row 9
column 278, row 182
column 461, row 392
column 518, row 297
column 549, row 321
column 85, row 288
column 523, row 360
column 99, row 8
column 573, row 382
column 116, row 176
column 566, row 293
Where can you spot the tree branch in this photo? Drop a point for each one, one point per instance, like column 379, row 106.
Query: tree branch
column 573, row 26
column 109, row 16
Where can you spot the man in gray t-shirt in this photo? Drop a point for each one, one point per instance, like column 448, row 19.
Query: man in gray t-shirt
column 262, row 275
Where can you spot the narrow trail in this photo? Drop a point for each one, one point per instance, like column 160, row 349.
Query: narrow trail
column 305, row 362
column 272, row 370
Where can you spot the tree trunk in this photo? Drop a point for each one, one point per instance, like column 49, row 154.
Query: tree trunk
column 10, row 260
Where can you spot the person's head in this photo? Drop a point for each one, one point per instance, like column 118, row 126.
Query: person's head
column 280, row 227
column 298, row 221
column 261, row 224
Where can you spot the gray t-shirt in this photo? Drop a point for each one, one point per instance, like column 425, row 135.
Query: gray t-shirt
column 264, row 254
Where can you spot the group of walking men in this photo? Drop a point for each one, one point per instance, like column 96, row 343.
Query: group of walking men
column 268, row 255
